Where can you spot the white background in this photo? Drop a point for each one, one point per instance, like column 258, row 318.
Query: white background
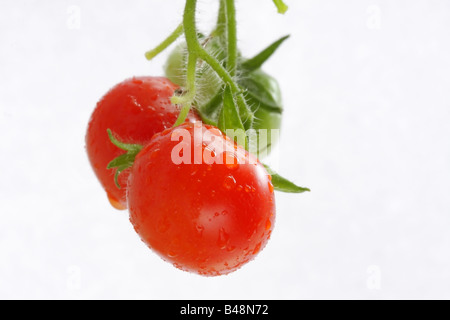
column 367, row 95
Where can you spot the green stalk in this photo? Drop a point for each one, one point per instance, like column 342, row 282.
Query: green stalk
column 190, row 31
column 281, row 6
column 194, row 46
column 196, row 51
column 221, row 21
column 232, row 37
column 186, row 100
column 166, row 43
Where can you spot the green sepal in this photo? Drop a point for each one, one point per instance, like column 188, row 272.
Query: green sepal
column 283, row 185
column 230, row 119
column 125, row 160
column 257, row 61
column 210, row 112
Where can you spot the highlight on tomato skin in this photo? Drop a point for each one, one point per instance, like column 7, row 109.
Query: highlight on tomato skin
column 135, row 110
column 209, row 219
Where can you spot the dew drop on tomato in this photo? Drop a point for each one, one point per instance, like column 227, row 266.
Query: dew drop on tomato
column 137, row 81
column 223, row 239
column 154, row 154
column 200, row 229
column 271, row 189
column 231, row 161
column 116, row 204
column 231, row 248
column 257, row 249
column 229, row 182
column 268, row 225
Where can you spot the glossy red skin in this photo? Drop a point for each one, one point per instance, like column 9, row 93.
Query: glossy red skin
column 205, row 219
column 134, row 110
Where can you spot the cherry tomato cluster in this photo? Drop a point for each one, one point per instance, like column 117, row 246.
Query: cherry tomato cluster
column 158, row 145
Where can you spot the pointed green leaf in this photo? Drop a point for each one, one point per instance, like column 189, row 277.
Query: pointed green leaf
column 210, row 112
column 229, row 116
column 121, row 145
column 283, row 185
column 230, row 121
column 257, row 61
column 118, row 172
column 123, row 161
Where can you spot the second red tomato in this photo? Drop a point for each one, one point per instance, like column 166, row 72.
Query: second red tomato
column 134, row 110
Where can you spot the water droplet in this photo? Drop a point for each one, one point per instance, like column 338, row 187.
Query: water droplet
column 268, row 225
column 116, row 203
column 230, row 248
column 271, row 189
column 154, row 154
column 249, row 189
column 172, row 254
column 229, row 182
column 257, row 248
column 178, row 266
column 223, row 239
column 231, row 161
column 212, row 153
column 215, row 132
column 135, row 103
column 200, row 229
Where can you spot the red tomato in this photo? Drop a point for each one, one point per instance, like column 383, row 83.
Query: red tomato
column 204, row 218
column 134, row 110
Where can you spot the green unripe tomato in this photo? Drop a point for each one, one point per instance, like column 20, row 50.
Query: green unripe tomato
column 264, row 98
column 175, row 66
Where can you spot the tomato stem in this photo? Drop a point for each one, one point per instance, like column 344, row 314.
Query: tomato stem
column 281, row 6
column 166, row 43
column 232, row 37
column 196, row 51
column 221, row 21
column 186, row 100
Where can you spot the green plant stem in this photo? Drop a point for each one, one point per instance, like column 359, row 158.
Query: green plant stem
column 232, row 37
column 186, row 100
column 195, row 51
column 166, row 43
column 195, row 47
column 281, row 6
column 221, row 21
column 190, row 31
column 244, row 111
